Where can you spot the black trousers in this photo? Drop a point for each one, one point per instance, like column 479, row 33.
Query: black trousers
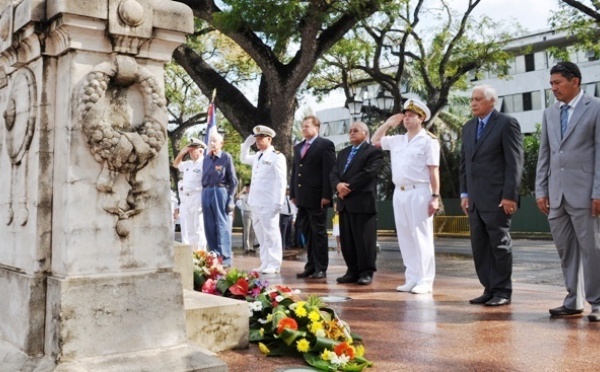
column 285, row 228
column 312, row 223
column 492, row 251
column 358, row 238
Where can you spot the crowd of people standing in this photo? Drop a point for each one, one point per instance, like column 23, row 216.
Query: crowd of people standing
column 491, row 165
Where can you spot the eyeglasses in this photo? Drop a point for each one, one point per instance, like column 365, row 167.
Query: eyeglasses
column 355, row 130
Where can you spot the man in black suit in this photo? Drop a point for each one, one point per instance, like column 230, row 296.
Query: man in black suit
column 354, row 177
column 310, row 191
column 491, row 164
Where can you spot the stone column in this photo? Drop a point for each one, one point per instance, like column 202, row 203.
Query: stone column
column 86, row 251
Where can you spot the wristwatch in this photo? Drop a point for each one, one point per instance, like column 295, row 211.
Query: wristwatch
column 435, row 195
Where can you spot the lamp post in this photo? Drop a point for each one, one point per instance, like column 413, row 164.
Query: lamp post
column 355, row 107
column 384, row 102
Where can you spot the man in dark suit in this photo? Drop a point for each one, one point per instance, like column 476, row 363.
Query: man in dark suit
column 568, row 187
column 491, row 164
column 354, row 177
column 310, row 191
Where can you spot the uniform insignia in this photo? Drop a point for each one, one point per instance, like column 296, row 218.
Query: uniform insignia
column 431, row 134
column 218, row 168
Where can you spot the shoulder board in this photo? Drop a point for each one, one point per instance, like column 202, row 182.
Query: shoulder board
column 277, row 152
column 431, row 134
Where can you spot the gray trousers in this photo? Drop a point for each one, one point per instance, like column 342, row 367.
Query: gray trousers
column 249, row 237
column 577, row 238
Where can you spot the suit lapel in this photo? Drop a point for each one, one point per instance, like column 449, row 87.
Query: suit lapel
column 359, row 153
column 578, row 113
column 486, row 130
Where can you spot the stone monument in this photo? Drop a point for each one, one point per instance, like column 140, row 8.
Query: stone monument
column 86, row 250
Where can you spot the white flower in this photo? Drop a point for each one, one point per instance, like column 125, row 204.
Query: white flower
column 339, row 360
column 297, row 291
column 250, row 312
column 256, row 306
column 262, row 321
column 320, row 333
column 279, row 298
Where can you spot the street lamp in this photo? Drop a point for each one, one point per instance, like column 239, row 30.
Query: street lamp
column 384, row 102
column 354, row 106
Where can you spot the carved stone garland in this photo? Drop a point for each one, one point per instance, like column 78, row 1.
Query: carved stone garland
column 19, row 120
column 118, row 145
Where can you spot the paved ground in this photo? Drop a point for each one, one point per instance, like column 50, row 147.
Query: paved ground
column 442, row 331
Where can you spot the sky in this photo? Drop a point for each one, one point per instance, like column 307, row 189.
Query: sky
column 531, row 14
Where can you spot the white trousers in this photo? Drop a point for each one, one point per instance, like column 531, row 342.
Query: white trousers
column 266, row 227
column 193, row 222
column 415, row 234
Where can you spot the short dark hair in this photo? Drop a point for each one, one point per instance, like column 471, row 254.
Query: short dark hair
column 567, row 69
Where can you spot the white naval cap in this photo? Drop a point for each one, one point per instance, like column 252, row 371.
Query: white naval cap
column 263, row 130
column 195, row 142
column 417, row 107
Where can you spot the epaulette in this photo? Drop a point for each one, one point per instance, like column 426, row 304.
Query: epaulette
column 277, row 152
column 431, row 134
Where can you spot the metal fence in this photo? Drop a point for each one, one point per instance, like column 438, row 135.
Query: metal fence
column 451, row 226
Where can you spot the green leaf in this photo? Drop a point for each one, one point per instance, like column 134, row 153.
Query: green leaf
column 315, row 360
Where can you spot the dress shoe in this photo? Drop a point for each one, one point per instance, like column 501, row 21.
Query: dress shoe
column 365, row 280
column 250, row 251
column 270, row 270
column 421, row 289
column 406, row 287
column 481, row 299
column 259, row 269
column 594, row 316
column 498, row 301
column 347, row 279
column 564, row 311
column 304, row 274
column 318, row 275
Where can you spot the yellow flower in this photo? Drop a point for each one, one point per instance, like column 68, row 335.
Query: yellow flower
column 301, row 311
column 301, row 303
column 303, row 345
column 314, row 327
column 360, row 350
column 262, row 332
column 263, row 348
column 269, row 317
column 325, row 355
column 314, row 316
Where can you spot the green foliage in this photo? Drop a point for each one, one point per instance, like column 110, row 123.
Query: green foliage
column 584, row 28
column 531, row 147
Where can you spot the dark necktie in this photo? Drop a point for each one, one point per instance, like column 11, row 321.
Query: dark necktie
column 260, row 156
column 564, row 119
column 479, row 129
column 350, row 156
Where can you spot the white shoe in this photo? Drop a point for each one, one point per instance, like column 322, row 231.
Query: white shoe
column 270, row 270
column 258, row 269
column 406, row 287
column 421, row 289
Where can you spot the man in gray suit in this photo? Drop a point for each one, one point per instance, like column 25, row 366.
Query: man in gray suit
column 568, row 187
column 491, row 164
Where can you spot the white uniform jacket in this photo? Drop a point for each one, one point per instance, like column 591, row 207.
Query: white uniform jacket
column 269, row 171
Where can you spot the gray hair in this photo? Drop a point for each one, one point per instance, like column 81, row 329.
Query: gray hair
column 216, row 135
column 362, row 126
column 488, row 92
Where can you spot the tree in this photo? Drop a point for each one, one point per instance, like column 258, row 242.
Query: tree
column 581, row 20
column 283, row 39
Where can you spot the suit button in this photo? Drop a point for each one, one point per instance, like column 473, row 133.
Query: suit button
column 300, row 164
column 562, row 169
column 299, row 174
column 299, row 185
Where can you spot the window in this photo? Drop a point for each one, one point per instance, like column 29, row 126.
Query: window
column 529, row 62
column 528, row 101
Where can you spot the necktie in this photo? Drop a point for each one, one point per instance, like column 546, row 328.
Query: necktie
column 350, row 156
column 304, row 149
column 260, row 156
column 564, row 119
column 479, row 129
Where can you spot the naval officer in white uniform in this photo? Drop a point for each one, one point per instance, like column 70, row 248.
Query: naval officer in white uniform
column 266, row 196
column 192, row 193
column 415, row 160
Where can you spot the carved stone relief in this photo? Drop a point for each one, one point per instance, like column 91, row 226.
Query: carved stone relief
column 19, row 122
column 121, row 147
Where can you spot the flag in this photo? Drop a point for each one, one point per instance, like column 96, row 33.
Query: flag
column 211, row 119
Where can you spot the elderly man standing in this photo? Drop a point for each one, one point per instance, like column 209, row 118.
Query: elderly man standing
column 491, row 164
column 191, row 199
column 310, row 191
column 354, row 177
column 219, row 182
column 415, row 160
column 568, row 187
column 266, row 196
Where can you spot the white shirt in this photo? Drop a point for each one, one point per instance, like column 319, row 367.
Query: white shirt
column 192, row 175
column 410, row 159
column 572, row 104
column 268, row 177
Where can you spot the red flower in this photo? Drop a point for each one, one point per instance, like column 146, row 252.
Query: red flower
column 344, row 348
column 286, row 323
column 210, row 286
column 240, row 288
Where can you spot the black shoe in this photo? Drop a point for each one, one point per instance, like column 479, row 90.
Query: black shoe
column 318, row 275
column 498, row 301
column 594, row 316
column 256, row 246
column 481, row 299
column 564, row 311
column 365, row 280
column 249, row 251
column 304, row 274
column 347, row 279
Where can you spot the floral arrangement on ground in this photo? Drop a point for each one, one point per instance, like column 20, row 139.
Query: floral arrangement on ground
column 281, row 322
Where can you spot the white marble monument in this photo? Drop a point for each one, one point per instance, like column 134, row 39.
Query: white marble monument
column 86, row 250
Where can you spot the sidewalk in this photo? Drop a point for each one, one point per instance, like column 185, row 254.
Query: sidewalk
column 443, row 332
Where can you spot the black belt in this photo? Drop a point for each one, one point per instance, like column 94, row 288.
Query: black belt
column 217, row 185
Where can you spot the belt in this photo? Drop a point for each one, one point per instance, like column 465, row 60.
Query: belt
column 412, row 186
column 217, row 185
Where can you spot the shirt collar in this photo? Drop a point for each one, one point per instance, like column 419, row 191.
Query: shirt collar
column 359, row 145
column 486, row 118
column 574, row 101
column 310, row 141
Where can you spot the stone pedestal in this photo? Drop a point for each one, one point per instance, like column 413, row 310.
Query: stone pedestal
column 86, row 252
